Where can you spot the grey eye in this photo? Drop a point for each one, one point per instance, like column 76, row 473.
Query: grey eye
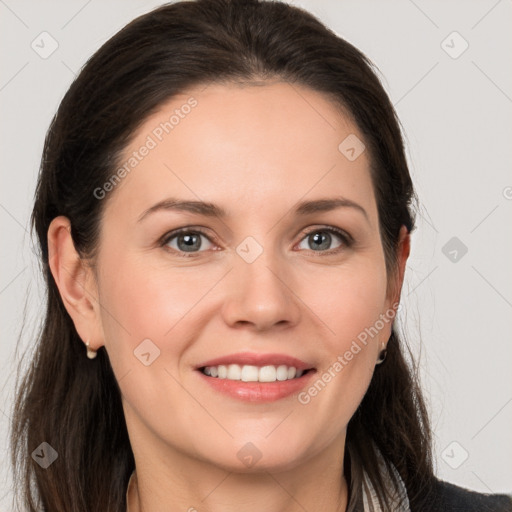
column 320, row 240
column 189, row 241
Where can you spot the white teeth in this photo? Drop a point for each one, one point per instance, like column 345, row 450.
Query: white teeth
column 282, row 372
column 223, row 371
column 267, row 374
column 234, row 372
column 250, row 373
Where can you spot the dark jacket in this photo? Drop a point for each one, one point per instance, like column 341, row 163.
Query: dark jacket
column 448, row 497
column 443, row 496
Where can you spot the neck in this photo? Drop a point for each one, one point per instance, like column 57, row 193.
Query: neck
column 317, row 485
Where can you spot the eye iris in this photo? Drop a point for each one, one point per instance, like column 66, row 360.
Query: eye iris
column 189, row 242
column 321, row 238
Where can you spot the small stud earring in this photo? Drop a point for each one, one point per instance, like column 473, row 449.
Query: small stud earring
column 91, row 354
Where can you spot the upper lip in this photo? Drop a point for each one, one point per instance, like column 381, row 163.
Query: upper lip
column 254, row 359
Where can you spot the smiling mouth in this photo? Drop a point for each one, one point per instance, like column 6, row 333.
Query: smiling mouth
column 252, row 373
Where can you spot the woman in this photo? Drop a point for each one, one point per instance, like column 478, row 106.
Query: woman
column 224, row 215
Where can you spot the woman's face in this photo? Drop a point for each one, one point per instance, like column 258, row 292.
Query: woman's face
column 258, row 277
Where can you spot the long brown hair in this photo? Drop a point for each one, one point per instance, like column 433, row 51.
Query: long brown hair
column 73, row 403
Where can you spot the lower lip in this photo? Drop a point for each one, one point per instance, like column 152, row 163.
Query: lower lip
column 257, row 391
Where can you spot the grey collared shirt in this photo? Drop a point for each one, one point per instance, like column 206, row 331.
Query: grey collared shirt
column 362, row 494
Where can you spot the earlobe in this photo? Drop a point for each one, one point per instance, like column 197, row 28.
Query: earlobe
column 74, row 281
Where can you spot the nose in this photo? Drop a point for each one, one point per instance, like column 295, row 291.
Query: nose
column 260, row 295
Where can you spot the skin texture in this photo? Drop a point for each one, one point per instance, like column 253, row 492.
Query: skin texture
column 255, row 151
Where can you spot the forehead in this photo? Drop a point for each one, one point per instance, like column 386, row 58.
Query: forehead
column 253, row 143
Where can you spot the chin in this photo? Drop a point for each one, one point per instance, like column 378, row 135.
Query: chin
column 260, row 455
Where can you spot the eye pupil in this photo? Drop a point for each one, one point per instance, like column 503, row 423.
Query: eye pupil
column 321, row 240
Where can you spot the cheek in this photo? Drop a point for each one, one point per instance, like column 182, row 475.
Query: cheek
column 146, row 301
column 351, row 310
column 350, row 302
column 348, row 299
column 141, row 303
column 146, row 329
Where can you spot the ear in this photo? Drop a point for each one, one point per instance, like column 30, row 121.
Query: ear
column 403, row 251
column 76, row 282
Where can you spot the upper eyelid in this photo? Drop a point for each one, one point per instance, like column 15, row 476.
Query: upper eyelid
column 175, row 232
column 338, row 231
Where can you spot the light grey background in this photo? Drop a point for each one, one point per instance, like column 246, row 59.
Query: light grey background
column 456, row 114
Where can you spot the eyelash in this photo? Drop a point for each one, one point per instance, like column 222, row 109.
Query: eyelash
column 346, row 239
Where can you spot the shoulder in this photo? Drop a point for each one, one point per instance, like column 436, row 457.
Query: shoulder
column 447, row 497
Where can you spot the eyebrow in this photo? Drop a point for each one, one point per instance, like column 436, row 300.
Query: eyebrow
column 325, row 205
column 211, row 210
